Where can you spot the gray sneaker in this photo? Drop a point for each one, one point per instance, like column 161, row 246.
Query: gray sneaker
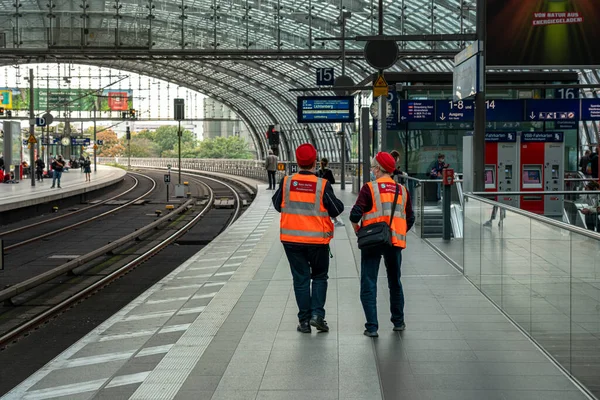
column 371, row 333
column 400, row 327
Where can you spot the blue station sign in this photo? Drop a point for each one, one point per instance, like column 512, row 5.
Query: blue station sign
column 455, row 111
column 504, row 110
column 417, row 111
column 552, row 110
column 503, row 137
column 590, row 109
column 324, row 109
column 80, row 141
column 552, row 137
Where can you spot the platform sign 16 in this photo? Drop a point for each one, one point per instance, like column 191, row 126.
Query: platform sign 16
column 325, row 77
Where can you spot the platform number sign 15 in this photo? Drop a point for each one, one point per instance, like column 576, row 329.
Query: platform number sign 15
column 325, row 77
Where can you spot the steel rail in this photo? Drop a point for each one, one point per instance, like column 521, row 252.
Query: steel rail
column 77, row 224
column 44, row 277
column 108, row 278
column 71, row 213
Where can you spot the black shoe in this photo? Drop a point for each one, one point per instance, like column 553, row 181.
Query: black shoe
column 370, row 333
column 318, row 322
column 303, row 327
column 399, row 328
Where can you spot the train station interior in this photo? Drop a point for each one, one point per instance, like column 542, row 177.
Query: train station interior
column 147, row 145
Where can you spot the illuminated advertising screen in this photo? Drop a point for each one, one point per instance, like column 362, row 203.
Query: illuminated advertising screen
column 489, row 177
column 543, row 32
column 532, row 176
column 57, row 99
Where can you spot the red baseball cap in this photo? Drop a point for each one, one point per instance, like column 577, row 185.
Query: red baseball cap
column 386, row 161
column 306, row 154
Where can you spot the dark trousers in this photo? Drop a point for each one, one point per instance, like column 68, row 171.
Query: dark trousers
column 495, row 212
column 271, row 179
column 309, row 263
column 369, row 268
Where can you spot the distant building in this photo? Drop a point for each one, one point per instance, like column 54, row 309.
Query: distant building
column 227, row 122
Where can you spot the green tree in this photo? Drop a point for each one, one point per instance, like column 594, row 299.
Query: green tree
column 224, row 147
column 165, row 139
column 141, row 147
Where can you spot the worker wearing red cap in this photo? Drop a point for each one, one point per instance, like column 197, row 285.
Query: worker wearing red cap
column 307, row 204
column 374, row 204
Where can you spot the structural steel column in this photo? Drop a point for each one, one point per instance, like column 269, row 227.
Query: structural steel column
column 31, row 130
column 479, row 128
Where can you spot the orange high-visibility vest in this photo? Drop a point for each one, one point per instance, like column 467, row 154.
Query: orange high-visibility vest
column 304, row 218
column 382, row 193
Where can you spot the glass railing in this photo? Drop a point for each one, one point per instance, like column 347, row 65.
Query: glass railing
column 426, row 196
column 544, row 274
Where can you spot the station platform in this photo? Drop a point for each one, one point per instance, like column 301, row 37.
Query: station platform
column 223, row 326
column 22, row 194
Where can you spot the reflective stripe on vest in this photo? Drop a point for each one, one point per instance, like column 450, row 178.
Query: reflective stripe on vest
column 306, row 233
column 382, row 211
column 301, row 207
column 305, row 222
column 385, row 209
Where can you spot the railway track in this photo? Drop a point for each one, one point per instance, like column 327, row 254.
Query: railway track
column 65, row 217
column 191, row 213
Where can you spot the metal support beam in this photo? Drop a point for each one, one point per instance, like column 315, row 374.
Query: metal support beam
column 31, row 129
column 365, row 138
column 53, row 54
column 407, row 38
column 480, row 117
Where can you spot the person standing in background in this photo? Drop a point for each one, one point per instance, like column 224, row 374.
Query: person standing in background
column 39, row 169
column 87, row 169
column 58, row 166
column 584, row 163
column 327, row 174
column 271, row 167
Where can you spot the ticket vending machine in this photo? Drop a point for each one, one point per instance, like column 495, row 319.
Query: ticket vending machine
column 542, row 169
column 501, row 165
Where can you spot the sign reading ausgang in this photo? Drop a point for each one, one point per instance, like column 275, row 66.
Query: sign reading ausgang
column 324, row 109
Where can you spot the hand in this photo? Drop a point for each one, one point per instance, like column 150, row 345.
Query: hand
column 356, row 228
column 585, row 211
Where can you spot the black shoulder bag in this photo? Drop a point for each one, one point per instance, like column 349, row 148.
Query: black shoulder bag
column 378, row 234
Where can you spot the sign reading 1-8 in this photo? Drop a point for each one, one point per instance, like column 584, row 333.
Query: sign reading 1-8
column 325, row 77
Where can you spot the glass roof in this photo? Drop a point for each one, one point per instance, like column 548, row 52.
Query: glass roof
column 256, row 88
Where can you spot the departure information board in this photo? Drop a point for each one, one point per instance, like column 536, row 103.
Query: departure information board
column 324, row 109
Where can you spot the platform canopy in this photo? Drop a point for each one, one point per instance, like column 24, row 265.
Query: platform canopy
column 244, row 53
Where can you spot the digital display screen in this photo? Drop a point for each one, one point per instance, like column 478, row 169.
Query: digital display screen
column 489, row 177
column 532, row 176
column 325, row 109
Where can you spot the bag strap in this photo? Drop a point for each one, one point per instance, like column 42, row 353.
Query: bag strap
column 394, row 205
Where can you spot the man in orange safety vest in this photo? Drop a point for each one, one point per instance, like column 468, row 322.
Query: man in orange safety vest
column 307, row 204
column 374, row 205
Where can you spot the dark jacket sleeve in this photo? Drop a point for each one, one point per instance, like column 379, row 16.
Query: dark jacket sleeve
column 278, row 197
column 364, row 204
column 410, row 215
column 329, row 176
column 333, row 205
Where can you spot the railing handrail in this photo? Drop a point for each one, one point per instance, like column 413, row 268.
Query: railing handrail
column 536, row 217
column 539, row 193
